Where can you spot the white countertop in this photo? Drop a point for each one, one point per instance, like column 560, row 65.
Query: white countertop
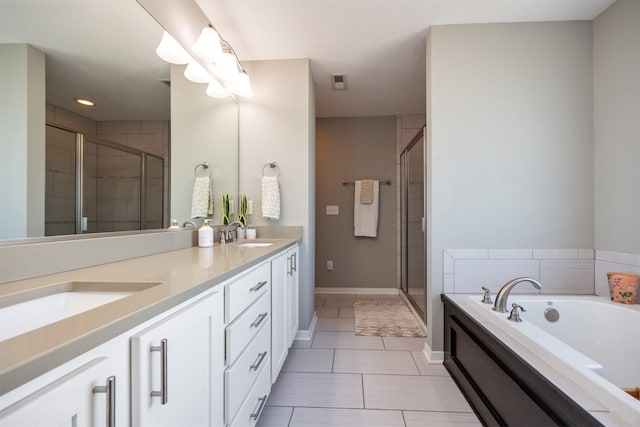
column 183, row 274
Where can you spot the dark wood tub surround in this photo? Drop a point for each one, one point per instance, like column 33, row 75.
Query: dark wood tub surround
column 502, row 388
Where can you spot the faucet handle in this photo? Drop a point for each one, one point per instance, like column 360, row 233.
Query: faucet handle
column 486, row 298
column 514, row 316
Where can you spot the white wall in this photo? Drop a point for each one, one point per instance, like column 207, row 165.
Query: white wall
column 22, row 141
column 277, row 124
column 616, row 90
column 509, row 150
column 203, row 129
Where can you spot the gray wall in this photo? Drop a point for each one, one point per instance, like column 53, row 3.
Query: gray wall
column 22, row 141
column 509, row 144
column 616, row 83
column 349, row 149
column 277, row 124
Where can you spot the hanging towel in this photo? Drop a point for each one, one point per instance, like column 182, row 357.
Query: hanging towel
column 202, row 199
column 270, row 197
column 365, row 215
column 366, row 192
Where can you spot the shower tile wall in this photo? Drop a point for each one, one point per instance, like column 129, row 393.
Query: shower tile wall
column 60, row 193
column 406, row 128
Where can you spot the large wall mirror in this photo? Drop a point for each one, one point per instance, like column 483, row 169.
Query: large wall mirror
column 130, row 161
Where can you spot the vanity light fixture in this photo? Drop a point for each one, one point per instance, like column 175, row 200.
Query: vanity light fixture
column 224, row 73
column 208, row 46
column 196, row 72
column 85, row 102
column 171, row 51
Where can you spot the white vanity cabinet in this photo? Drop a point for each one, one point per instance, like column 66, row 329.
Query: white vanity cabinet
column 177, row 367
column 248, row 345
column 85, row 396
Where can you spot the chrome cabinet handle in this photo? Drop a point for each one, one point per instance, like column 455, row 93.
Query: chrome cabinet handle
column 163, row 348
column 258, row 361
column 258, row 286
column 294, row 256
column 261, row 402
column 289, row 265
column 110, row 390
column 258, row 320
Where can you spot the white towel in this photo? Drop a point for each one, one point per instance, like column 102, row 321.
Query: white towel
column 202, row 198
column 365, row 215
column 270, row 197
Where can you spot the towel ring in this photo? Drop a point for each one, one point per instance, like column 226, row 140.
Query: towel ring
column 272, row 165
column 204, row 165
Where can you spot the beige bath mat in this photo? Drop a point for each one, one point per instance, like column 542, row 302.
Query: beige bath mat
column 385, row 318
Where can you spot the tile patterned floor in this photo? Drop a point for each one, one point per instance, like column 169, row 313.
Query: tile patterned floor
column 341, row 379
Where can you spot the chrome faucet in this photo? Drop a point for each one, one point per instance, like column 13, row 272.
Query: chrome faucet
column 191, row 223
column 226, row 235
column 501, row 299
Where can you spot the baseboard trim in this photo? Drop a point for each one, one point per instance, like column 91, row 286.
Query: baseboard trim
column 307, row 334
column 434, row 357
column 360, row 291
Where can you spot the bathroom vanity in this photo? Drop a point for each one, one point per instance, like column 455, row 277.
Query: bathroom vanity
column 200, row 345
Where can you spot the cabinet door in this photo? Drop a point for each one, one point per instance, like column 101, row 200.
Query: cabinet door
column 79, row 398
column 177, row 368
column 292, row 296
column 279, row 313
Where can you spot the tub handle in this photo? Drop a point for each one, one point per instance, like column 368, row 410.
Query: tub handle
column 514, row 316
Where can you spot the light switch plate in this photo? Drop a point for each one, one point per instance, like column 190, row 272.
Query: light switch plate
column 333, row 210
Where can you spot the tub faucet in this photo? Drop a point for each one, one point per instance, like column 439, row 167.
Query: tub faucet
column 189, row 223
column 501, row 299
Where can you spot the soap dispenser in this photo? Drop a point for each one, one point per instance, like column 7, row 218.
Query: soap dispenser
column 205, row 235
column 174, row 225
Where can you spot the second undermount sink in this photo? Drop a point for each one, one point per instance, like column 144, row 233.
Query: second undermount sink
column 22, row 312
column 254, row 244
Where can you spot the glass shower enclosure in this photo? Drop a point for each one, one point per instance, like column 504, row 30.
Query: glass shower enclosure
column 413, row 261
column 95, row 186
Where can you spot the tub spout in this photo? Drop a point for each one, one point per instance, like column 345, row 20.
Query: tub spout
column 501, row 299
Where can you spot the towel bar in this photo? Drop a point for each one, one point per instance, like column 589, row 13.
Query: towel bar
column 387, row 182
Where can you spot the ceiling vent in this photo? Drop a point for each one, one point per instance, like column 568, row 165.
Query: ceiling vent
column 339, row 81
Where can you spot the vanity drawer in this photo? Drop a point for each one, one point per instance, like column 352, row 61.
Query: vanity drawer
column 242, row 330
column 241, row 293
column 240, row 377
column 255, row 402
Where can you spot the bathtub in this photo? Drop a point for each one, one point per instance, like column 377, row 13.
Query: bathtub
column 594, row 342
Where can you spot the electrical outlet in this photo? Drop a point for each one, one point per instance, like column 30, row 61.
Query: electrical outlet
column 249, row 207
column 330, row 265
column 333, row 210
column 232, row 207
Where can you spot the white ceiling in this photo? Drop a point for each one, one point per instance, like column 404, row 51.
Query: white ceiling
column 380, row 44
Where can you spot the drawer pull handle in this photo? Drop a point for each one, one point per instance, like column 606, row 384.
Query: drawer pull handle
column 258, row 286
column 164, row 354
column 261, row 402
column 294, row 256
column 258, row 361
column 259, row 320
column 110, row 390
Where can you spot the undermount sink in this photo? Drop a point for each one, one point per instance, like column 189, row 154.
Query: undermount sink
column 25, row 311
column 254, row 244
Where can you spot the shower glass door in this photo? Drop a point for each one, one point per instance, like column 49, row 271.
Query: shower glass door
column 412, row 233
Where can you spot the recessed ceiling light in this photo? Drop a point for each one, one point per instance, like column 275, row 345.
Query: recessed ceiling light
column 84, row 102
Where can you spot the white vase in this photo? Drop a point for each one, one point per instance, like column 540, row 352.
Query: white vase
column 240, row 233
column 251, row 233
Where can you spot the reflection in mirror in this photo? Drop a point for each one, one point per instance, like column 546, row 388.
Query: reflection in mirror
column 104, row 51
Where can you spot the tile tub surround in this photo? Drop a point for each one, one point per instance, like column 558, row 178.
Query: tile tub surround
column 348, row 380
column 561, row 271
column 183, row 274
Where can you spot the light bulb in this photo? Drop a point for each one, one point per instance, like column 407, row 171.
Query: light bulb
column 208, row 46
column 196, row 72
column 171, row 51
column 241, row 86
